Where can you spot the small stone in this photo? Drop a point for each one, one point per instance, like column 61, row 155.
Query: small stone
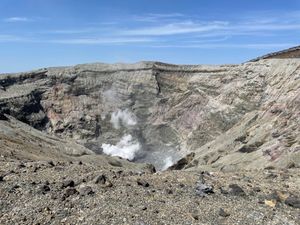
column 293, row 202
column 270, row 168
column 1, row 178
column 108, row 184
column 35, row 169
column 195, row 216
column 203, row 189
column 257, row 189
column 271, row 176
column 21, row 165
column 142, row 183
column 54, row 195
column 69, row 192
column 44, row 188
column 67, row 183
column 277, row 196
column 236, row 190
column 181, row 185
column 275, row 134
column 261, row 200
column 13, row 188
column 291, row 165
column 120, row 172
column 271, row 203
column 144, row 208
column 101, row 179
column 223, row 213
column 223, row 191
column 87, row 190
column 51, row 163
column 169, row 191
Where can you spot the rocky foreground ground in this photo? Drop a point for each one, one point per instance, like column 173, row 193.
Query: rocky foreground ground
column 53, row 192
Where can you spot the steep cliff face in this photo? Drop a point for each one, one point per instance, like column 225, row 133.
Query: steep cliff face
column 231, row 116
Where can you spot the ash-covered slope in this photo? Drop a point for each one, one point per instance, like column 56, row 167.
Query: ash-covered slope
column 231, row 116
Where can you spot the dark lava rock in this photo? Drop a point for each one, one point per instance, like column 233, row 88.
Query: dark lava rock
column 44, row 188
column 291, row 165
column 87, row 190
column 67, row 183
column 180, row 164
column 195, row 216
column 169, row 191
column 223, row 213
column 275, row 134
column 142, row 183
column 101, row 179
column 256, row 189
column 236, row 190
column 51, row 163
column 35, row 168
column 21, row 165
column 3, row 117
column 69, row 192
column 293, row 202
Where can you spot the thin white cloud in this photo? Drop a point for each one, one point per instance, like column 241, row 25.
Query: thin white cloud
column 17, row 19
column 71, row 31
column 155, row 17
column 175, row 28
column 238, row 46
column 222, row 27
column 11, row 38
column 93, row 41
column 266, row 27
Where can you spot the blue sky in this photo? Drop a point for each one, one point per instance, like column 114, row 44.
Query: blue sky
column 42, row 33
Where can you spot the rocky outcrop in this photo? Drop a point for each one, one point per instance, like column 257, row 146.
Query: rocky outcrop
column 232, row 116
column 284, row 54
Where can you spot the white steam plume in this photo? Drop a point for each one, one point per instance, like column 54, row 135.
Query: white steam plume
column 126, row 148
column 124, row 117
column 168, row 162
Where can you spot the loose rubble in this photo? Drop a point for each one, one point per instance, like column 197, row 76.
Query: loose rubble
column 83, row 194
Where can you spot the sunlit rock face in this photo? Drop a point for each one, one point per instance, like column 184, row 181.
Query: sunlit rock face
column 232, row 116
